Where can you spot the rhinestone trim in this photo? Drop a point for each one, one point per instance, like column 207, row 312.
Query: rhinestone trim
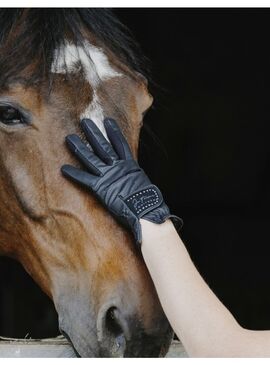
column 144, row 200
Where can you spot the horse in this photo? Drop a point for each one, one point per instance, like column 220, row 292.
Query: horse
column 58, row 66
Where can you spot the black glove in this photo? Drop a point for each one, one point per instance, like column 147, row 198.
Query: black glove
column 116, row 178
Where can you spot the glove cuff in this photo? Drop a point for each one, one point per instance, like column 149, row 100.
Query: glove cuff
column 148, row 204
column 143, row 201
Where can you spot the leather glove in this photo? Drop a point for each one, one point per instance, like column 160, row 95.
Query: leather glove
column 115, row 177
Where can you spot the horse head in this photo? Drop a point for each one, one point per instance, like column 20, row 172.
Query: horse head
column 57, row 67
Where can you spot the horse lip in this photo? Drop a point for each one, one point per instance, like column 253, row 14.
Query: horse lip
column 69, row 340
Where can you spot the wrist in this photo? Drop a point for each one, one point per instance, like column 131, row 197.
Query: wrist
column 153, row 232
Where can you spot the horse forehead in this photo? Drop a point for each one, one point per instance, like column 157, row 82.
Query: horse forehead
column 96, row 68
column 94, row 61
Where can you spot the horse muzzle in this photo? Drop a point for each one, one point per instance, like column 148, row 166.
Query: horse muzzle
column 115, row 332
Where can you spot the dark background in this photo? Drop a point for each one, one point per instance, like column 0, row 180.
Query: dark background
column 208, row 152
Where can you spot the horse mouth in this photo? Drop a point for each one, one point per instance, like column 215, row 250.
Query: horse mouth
column 70, row 342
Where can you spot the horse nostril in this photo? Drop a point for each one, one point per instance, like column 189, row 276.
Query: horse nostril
column 111, row 322
column 113, row 333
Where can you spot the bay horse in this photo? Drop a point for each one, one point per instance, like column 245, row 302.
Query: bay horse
column 58, row 66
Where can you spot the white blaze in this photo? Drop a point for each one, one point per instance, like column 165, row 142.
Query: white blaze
column 96, row 68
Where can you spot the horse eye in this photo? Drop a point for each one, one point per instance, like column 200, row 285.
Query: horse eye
column 10, row 116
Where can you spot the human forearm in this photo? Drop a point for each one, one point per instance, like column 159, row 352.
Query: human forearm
column 203, row 323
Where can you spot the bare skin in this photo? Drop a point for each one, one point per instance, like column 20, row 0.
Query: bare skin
column 204, row 325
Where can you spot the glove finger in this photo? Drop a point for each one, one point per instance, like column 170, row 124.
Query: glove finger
column 117, row 139
column 79, row 176
column 98, row 142
column 85, row 154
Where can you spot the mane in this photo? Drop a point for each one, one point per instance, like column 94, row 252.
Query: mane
column 33, row 37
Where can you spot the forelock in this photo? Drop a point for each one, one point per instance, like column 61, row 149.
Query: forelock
column 32, row 40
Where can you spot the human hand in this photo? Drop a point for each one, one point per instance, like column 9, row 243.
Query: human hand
column 115, row 177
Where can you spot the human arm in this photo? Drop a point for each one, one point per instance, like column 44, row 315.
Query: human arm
column 204, row 325
column 201, row 321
